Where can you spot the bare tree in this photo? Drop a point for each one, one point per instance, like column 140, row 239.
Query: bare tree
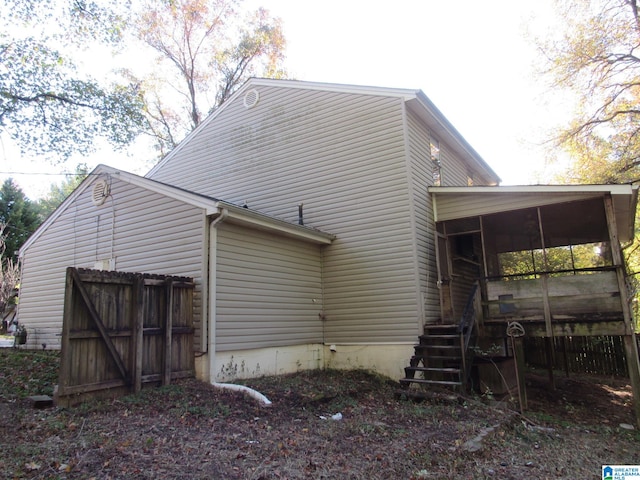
column 9, row 274
column 206, row 49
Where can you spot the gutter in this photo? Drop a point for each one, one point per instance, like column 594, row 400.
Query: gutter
column 224, row 213
column 253, row 219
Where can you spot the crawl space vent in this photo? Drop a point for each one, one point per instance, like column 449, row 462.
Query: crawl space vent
column 251, row 98
column 100, row 192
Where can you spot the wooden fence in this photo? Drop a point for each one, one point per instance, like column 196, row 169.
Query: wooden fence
column 603, row 355
column 122, row 331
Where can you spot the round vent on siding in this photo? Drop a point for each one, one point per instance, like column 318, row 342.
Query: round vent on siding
column 100, row 192
column 251, row 98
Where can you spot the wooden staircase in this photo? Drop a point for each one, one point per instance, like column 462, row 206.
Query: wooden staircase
column 437, row 359
column 443, row 354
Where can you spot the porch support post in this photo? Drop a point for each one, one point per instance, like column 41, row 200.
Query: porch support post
column 633, row 365
column 630, row 344
column 618, row 261
column 565, row 359
column 544, row 279
column 548, row 347
column 546, row 306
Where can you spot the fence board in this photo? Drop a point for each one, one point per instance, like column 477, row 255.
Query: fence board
column 123, row 330
column 602, row 355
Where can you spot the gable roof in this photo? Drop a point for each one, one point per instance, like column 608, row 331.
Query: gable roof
column 213, row 207
column 415, row 100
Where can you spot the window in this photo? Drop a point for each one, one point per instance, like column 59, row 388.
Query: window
column 436, row 172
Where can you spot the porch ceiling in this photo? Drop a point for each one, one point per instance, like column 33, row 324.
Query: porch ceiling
column 451, row 203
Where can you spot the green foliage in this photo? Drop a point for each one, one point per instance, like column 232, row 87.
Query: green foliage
column 596, row 61
column 46, row 105
column 205, row 50
column 19, row 215
column 59, row 192
column 24, row 373
column 73, row 20
column 555, row 259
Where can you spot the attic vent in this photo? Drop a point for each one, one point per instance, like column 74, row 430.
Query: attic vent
column 100, row 192
column 251, row 98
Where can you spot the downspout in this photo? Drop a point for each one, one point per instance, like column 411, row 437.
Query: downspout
column 224, row 213
column 213, row 254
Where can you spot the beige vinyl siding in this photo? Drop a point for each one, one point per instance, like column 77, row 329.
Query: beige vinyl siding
column 294, row 146
column 268, row 290
column 461, row 205
column 455, row 172
column 343, row 155
column 421, row 178
column 151, row 234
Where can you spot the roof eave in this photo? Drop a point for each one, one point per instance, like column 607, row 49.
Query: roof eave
column 250, row 218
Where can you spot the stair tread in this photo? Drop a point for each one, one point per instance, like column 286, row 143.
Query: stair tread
column 440, row 335
column 434, row 369
column 430, row 382
column 436, row 357
column 444, row 347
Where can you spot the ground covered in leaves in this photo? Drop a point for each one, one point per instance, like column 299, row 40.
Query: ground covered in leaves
column 191, row 430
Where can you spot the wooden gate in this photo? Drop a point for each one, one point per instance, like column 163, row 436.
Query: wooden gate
column 123, row 330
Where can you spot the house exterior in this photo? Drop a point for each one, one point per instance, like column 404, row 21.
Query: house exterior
column 352, row 287
column 303, row 212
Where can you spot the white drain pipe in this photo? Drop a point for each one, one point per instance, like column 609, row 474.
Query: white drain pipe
column 244, row 389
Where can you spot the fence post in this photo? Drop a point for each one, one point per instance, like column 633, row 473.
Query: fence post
column 168, row 326
column 138, row 331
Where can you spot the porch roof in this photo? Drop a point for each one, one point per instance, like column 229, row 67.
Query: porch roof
column 451, row 203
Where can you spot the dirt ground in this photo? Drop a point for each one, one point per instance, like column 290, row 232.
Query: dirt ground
column 191, row 430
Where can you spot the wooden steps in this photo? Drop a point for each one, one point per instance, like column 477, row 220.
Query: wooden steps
column 437, row 359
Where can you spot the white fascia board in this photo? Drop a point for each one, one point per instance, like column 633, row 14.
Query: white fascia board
column 194, row 199
column 206, row 203
column 214, row 207
column 621, row 189
column 403, row 93
column 250, row 218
